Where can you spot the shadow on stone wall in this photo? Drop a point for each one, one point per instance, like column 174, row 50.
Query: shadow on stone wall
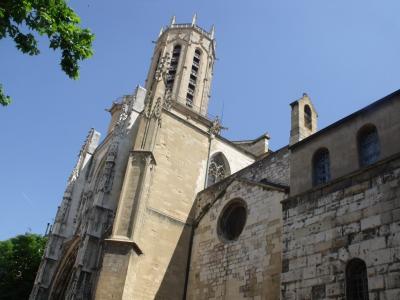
column 173, row 284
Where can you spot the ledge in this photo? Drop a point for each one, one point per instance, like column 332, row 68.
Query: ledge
column 124, row 241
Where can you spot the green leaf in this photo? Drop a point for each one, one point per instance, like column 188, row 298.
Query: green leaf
column 52, row 18
column 4, row 99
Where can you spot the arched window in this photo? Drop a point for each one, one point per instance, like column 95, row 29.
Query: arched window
column 193, row 78
column 321, row 167
column 218, row 169
column 176, row 53
column 356, row 280
column 368, row 145
column 307, row 117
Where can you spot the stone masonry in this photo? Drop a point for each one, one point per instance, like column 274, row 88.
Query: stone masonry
column 164, row 207
column 354, row 217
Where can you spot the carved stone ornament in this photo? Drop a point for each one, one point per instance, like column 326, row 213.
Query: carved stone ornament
column 168, row 100
column 107, row 174
column 75, row 172
column 112, row 152
column 216, row 127
column 147, row 106
column 126, row 109
column 157, row 109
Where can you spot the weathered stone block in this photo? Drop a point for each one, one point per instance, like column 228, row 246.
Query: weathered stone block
column 371, row 222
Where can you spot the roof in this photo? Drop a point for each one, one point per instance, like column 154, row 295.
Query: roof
column 263, row 136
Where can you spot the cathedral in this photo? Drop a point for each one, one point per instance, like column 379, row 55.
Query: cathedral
column 165, row 207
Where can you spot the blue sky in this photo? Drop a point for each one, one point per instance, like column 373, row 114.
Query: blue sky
column 344, row 54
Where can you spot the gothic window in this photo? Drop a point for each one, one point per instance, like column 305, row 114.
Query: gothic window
column 321, row 167
column 176, row 53
column 368, row 145
column 232, row 220
column 218, row 169
column 307, row 117
column 193, row 78
column 356, row 280
column 65, row 271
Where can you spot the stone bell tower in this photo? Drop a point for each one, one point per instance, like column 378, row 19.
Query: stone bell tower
column 125, row 226
column 304, row 119
column 147, row 252
column 189, row 54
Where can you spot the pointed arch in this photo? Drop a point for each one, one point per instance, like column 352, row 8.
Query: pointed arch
column 218, row 168
column 65, row 270
column 193, row 79
column 176, row 53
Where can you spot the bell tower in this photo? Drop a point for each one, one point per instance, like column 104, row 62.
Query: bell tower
column 188, row 53
column 166, row 167
column 304, row 119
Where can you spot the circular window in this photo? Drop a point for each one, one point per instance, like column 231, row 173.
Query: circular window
column 232, row 220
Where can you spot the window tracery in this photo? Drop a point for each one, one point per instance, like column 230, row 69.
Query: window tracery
column 218, row 169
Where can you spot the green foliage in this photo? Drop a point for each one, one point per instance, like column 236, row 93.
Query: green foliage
column 19, row 260
column 52, row 18
column 4, row 99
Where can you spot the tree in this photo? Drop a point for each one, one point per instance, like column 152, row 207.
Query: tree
column 19, row 260
column 52, row 18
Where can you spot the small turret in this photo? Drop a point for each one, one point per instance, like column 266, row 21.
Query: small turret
column 304, row 119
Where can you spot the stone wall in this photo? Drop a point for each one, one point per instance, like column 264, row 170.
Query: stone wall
column 248, row 267
column 340, row 139
column 161, row 222
column 356, row 216
column 274, row 168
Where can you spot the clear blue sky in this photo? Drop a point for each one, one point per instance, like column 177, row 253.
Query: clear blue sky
column 344, row 54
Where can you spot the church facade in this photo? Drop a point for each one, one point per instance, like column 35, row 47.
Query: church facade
column 164, row 207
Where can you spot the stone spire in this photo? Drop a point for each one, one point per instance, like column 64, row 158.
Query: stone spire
column 173, row 20
column 194, row 19
column 212, row 32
